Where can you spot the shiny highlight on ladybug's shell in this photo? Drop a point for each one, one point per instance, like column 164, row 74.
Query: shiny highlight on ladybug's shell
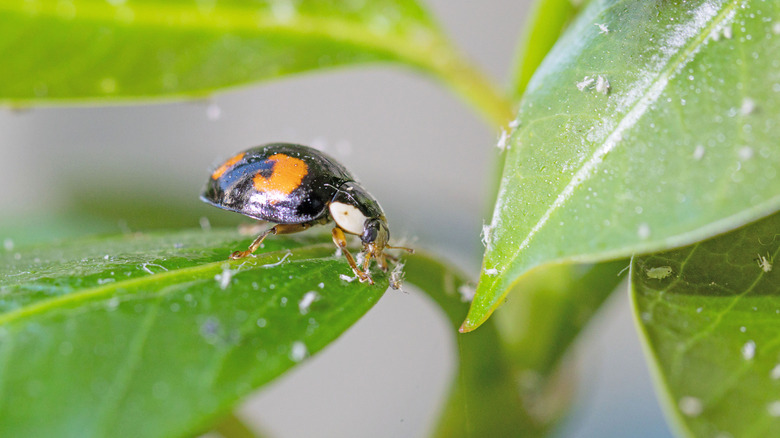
column 226, row 165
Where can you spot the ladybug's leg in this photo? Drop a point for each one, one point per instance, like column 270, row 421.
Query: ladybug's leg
column 255, row 244
column 277, row 229
column 341, row 242
column 367, row 260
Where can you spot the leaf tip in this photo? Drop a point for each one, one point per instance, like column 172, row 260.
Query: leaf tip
column 466, row 327
column 475, row 318
column 489, row 295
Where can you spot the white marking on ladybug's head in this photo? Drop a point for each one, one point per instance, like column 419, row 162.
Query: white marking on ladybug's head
column 347, row 217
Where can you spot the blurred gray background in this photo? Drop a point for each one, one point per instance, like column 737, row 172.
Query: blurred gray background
column 420, row 151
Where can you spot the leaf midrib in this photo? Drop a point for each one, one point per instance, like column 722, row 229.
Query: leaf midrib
column 666, row 74
column 198, row 271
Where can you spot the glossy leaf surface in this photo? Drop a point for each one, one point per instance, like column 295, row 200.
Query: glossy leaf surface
column 158, row 334
column 628, row 147
column 139, row 48
column 710, row 316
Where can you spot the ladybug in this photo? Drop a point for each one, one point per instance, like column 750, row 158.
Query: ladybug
column 295, row 187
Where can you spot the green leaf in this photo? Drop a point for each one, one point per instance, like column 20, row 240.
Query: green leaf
column 490, row 395
column 710, row 316
column 159, row 334
column 682, row 145
column 120, row 50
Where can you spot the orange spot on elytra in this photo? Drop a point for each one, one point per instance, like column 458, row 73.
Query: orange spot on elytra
column 227, row 165
column 286, row 177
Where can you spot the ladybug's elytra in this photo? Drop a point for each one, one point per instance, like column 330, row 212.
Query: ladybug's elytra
column 295, row 187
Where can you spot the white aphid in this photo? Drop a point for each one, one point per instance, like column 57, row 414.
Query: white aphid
column 503, row 140
column 585, row 83
column 765, row 263
column 486, row 234
column 602, row 85
column 397, row 276
column 603, row 29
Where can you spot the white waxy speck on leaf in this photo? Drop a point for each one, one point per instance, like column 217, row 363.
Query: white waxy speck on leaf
column 727, row 32
column 466, row 292
column 145, row 267
column 748, row 106
column 224, row 278
column 306, row 301
column 749, row 350
column 774, row 408
column 690, row 406
column 775, row 373
column 698, row 153
column 643, row 231
column 298, row 351
column 745, row 153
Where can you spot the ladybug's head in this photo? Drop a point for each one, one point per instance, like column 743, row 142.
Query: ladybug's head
column 375, row 234
column 357, row 212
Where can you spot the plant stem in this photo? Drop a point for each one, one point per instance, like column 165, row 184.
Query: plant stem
column 468, row 82
column 545, row 24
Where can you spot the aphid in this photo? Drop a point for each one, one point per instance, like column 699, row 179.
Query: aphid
column 295, row 187
column 765, row 263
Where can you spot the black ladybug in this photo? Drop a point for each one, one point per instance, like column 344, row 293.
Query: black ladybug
column 295, row 187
